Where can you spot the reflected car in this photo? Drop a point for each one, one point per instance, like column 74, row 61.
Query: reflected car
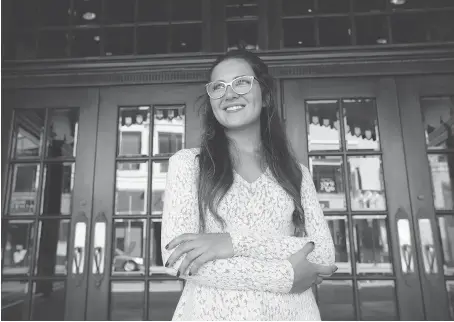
column 123, row 262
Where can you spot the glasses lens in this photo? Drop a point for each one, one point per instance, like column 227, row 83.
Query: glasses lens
column 243, row 85
column 216, row 89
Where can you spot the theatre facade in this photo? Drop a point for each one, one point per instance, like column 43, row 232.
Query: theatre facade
column 98, row 94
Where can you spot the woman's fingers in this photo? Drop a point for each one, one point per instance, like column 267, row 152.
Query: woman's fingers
column 190, row 257
column 181, row 239
column 199, row 261
column 179, row 251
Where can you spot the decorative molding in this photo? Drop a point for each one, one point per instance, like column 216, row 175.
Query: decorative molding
column 181, row 69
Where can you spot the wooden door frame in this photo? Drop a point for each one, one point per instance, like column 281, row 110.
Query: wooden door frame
column 383, row 89
column 410, row 89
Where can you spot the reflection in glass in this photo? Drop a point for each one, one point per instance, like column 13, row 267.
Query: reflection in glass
column 371, row 30
column 163, row 299
column 126, row 299
column 322, row 125
column 62, row 136
column 305, row 37
column 51, row 256
column 118, row 41
column 339, row 231
column 366, row 183
column 328, row 179
column 58, row 188
column 377, row 301
column 168, row 130
column 242, row 32
column 131, row 189
column 442, row 173
column 437, row 115
column 158, row 183
column 186, row 38
column 450, row 289
column 446, row 226
column 24, row 190
column 28, row 132
column 48, row 301
column 134, row 131
column 370, row 235
column 156, row 264
column 361, row 130
column 18, row 246
column 128, row 254
column 85, row 42
column 335, row 31
column 335, row 300
column 14, row 299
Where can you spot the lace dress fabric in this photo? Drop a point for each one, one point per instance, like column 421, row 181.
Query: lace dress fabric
column 255, row 283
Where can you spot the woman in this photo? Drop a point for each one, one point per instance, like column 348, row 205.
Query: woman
column 235, row 209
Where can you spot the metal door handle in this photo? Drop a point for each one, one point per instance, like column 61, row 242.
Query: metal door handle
column 406, row 249
column 427, row 246
column 80, row 234
column 99, row 248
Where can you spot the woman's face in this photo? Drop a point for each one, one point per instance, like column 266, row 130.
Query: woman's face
column 235, row 111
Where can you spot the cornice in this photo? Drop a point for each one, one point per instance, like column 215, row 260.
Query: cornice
column 372, row 61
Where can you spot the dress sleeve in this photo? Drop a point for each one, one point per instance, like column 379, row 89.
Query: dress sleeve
column 181, row 215
column 280, row 247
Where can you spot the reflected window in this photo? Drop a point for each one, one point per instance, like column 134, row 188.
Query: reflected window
column 26, row 177
column 442, row 172
column 323, row 126
column 130, row 143
column 130, row 201
column 446, row 226
column 438, row 118
column 169, row 143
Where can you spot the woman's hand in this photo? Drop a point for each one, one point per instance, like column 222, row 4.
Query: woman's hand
column 199, row 249
column 306, row 273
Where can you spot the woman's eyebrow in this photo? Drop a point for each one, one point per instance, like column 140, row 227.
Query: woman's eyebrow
column 221, row 80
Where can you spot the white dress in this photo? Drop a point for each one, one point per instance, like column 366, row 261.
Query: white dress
column 254, row 284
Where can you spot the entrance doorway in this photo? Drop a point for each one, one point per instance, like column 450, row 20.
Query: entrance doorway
column 87, row 169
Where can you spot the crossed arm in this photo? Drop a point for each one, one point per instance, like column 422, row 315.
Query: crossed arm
column 258, row 262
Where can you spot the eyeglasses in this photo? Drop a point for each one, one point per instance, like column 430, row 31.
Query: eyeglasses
column 240, row 85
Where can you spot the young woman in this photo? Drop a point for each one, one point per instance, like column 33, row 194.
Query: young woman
column 242, row 223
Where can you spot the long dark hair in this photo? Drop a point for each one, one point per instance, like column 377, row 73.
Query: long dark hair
column 215, row 162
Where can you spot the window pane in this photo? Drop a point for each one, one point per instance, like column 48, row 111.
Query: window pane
column 126, row 300
column 131, row 188
column 152, row 40
column 25, row 45
column 128, row 257
column 53, row 44
column 408, row 28
column 158, row 183
column 438, row 123
column 442, row 172
column 58, row 189
column 338, row 227
column 242, row 33
column 446, row 226
column 24, row 13
column 119, row 41
column 51, row 255
column 367, row 190
column 450, row 289
column 48, row 300
column 85, row 43
column 362, row 124
column 153, row 10
column 55, row 13
column 335, row 31
column 323, row 125
column 373, row 256
column 371, row 30
column 156, row 264
column 64, row 125
column 300, row 7
column 377, row 300
column 24, row 193
column 29, row 132
column 335, row 300
column 134, row 131
column 186, row 38
column 87, row 12
column 328, row 176
column 18, row 247
column 163, row 299
column 333, row 6
column 299, row 33
column 169, row 130
column 118, row 11
column 186, row 10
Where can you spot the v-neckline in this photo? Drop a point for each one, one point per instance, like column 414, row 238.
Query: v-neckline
column 254, row 181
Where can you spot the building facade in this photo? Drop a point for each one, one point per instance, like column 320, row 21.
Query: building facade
column 98, row 94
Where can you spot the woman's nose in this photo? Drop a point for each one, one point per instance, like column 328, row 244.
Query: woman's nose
column 230, row 93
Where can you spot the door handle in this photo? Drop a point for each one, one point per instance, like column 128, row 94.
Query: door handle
column 99, row 248
column 405, row 246
column 427, row 246
column 80, row 234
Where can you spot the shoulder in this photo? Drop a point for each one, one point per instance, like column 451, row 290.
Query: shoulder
column 185, row 158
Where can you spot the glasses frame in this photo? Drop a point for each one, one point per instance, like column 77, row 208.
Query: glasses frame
column 227, row 84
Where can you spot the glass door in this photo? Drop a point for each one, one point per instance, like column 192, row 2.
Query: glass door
column 46, row 207
column 348, row 132
column 427, row 112
column 139, row 129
